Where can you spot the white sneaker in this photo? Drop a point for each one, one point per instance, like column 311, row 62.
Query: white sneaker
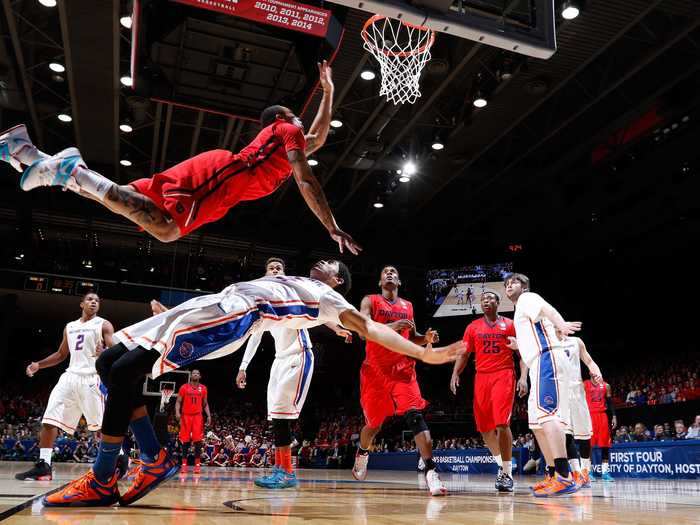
column 359, row 469
column 58, row 170
column 12, row 143
column 435, row 486
column 421, row 464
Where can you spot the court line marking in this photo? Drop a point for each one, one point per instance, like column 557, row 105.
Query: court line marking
column 18, row 508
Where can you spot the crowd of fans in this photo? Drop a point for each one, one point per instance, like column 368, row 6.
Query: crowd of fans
column 659, row 383
column 660, row 432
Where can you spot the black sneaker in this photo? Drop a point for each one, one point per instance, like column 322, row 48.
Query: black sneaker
column 506, row 484
column 41, row 471
column 499, row 478
column 122, row 465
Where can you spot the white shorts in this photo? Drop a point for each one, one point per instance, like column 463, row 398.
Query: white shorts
column 549, row 389
column 74, row 396
column 290, row 378
column 581, row 425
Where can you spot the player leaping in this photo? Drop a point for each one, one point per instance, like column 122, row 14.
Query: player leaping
column 171, row 204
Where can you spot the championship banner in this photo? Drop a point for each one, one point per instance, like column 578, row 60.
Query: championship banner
column 286, row 14
column 468, row 461
column 657, row 459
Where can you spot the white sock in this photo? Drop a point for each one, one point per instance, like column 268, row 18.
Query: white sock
column 499, row 462
column 575, row 465
column 605, row 467
column 586, row 464
column 45, row 454
column 508, row 468
column 93, row 183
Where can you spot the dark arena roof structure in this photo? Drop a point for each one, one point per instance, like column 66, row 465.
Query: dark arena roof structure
column 592, row 153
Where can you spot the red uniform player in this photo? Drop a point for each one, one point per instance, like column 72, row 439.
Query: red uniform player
column 599, row 399
column 191, row 404
column 494, row 384
column 388, row 383
column 202, row 189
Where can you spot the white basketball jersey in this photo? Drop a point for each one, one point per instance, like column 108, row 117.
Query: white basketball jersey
column 83, row 341
column 535, row 333
column 573, row 355
column 288, row 342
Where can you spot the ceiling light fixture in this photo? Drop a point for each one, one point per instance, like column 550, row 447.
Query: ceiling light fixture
column 63, row 117
column 126, row 81
column 126, row 128
column 313, row 162
column 368, row 74
column 125, row 162
column 48, row 3
column 409, row 169
column 570, row 10
column 479, row 100
column 125, row 21
column 56, row 67
column 335, row 123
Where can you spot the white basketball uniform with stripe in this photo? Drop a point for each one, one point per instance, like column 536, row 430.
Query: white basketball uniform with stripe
column 544, row 355
column 77, row 392
column 291, row 372
column 581, row 425
column 216, row 325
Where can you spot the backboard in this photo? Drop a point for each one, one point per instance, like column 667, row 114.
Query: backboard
column 521, row 26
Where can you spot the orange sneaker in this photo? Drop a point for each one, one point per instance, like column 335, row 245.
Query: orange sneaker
column 540, row 484
column 585, row 479
column 197, row 468
column 557, row 486
column 578, row 479
column 149, row 476
column 85, row 491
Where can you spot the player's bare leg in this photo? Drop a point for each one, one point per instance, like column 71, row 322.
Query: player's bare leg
column 505, row 446
column 424, row 444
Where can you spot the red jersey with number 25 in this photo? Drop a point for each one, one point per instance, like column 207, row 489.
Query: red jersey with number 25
column 595, row 396
column 488, row 342
column 192, row 398
column 385, row 312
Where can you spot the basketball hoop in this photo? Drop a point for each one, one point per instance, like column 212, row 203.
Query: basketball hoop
column 165, row 395
column 402, row 50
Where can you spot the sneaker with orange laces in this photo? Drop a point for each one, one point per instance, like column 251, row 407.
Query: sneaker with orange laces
column 557, row 486
column 148, row 476
column 585, row 479
column 578, row 479
column 85, row 491
column 540, row 484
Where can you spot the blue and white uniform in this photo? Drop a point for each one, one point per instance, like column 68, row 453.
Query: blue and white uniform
column 544, row 355
column 581, row 425
column 290, row 375
column 216, row 325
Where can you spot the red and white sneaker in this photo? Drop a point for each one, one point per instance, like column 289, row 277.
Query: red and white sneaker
column 85, row 491
column 359, row 469
column 148, row 476
column 197, row 468
column 435, row 485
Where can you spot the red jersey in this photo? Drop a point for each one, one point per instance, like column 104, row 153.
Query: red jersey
column 488, row 342
column 595, row 396
column 192, row 399
column 385, row 312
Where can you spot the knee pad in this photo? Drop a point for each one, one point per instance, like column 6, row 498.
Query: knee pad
column 282, row 432
column 571, row 452
column 584, row 447
column 605, row 453
column 414, row 420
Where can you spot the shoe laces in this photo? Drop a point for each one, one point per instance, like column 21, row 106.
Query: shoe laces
column 82, row 484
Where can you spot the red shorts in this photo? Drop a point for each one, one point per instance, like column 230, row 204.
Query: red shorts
column 383, row 395
column 494, row 393
column 199, row 190
column 601, row 430
column 191, row 428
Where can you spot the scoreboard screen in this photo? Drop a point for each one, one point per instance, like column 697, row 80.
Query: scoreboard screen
column 59, row 285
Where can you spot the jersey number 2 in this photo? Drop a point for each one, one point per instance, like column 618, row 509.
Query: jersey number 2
column 79, row 342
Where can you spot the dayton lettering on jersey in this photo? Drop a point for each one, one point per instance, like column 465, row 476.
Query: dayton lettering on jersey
column 391, row 314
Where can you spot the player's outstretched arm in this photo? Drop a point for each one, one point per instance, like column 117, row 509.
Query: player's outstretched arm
column 593, row 369
column 315, row 199
column 58, row 356
column 250, row 351
column 318, row 132
column 533, row 305
column 363, row 325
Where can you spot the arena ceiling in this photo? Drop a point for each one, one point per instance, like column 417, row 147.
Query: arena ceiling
column 597, row 143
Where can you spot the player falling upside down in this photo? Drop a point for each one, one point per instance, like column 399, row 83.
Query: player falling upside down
column 548, row 404
column 191, row 402
column 171, row 204
column 208, row 327
column 290, row 379
column 494, row 384
column 78, row 391
column 388, row 383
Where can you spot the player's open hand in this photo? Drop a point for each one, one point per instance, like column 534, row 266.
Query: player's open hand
column 157, row 307
column 345, row 242
column 570, row 328
column 32, row 368
column 432, row 336
column 445, row 354
column 402, row 324
column 325, row 75
column 454, row 383
column 522, row 387
column 240, row 379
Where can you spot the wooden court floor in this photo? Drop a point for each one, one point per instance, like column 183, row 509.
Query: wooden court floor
column 332, row 496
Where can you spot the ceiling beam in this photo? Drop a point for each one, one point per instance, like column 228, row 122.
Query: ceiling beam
column 166, row 136
column 197, row 131
column 156, row 135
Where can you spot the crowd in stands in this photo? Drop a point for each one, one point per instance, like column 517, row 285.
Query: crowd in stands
column 659, row 383
column 660, row 432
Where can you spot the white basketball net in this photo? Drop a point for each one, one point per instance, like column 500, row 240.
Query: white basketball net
column 165, row 396
column 402, row 50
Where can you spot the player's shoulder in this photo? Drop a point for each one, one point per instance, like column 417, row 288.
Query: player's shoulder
column 283, row 128
column 405, row 303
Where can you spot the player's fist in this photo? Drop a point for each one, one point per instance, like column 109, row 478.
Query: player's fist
column 454, row 383
column 431, row 336
column 613, row 423
column 402, row 324
column 32, row 368
column 596, row 374
column 569, row 328
column 512, row 343
column 240, row 379
column 445, row 354
column 522, row 387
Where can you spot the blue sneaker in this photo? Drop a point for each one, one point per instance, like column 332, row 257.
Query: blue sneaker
column 264, row 481
column 279, row 480
column 592, row 476
column 13, row 143
column 58, row 170
column 607, row 477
